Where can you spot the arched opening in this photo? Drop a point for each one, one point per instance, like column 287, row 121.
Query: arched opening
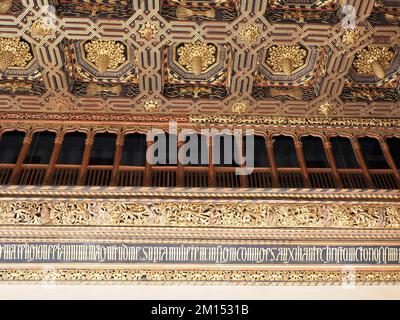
column 67, row 168
column 343, row 153
column 99, row 171
column 37, row 159
column 164, row 170
column 317, row 163
column 394, row 148
column 195, row 158
column 346, row 161
column 378, row 168
column 225, row 160
column 133, row 160
column 41, row 148
column 72, row 148
column 372, row 153
column 287, row 163
column 261, row 177
column 10, row 147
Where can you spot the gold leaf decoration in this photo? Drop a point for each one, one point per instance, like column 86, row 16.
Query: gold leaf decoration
column 14, row 53
column 286, row 58
column 197, row 214
column 249, row 34
column 106, row 55
column 374, row 61
column 151, row 106
column 197, row 57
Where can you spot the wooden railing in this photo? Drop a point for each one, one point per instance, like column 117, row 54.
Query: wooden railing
column 130, row 176
column 192, row 177
column 290, row 178
column 196, row 177
column 260, row 178
column 5, row 173
column 226, row 177
column 163, row 177
column 352, row 178
column 65, row 175
column 32, row 174
column 98, row 176
column 321, row 178
column 383, row 179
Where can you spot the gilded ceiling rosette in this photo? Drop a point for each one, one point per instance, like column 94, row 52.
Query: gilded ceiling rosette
column 374, row 75
column 102, row 68
column 20, row 72
column 303, row 39
column 197, row 70
column 290, row 72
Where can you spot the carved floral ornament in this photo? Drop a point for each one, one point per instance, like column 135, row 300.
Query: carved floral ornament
column 239, row 107
column 59, row 104
column 286, row 58
column 197, row 57
column 148, row 31
column 374, row 61
column 249, row 34
column 351, row 36
column 196, row 276
column 326, row 108
column 41, row 28
column 196, row 214
column 106, row 55
column 14, row 53
column 151, row 106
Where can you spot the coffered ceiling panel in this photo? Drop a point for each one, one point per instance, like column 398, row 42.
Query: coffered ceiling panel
column 255, row 57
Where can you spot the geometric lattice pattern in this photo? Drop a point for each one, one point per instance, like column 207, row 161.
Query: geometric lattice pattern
column 148, row 28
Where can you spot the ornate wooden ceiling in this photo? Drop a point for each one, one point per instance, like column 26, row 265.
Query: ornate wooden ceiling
column 256, row 57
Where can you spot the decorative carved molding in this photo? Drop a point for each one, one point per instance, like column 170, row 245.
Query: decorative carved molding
column 351, row 36
column 201, row 276
column 239, row 107
column 41, row 28
column 326, row 109
column 264, row 120
column 196, row 214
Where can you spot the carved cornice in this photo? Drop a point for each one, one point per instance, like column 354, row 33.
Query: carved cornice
column 184, row 235
column 87, row 120
column 298, row 121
